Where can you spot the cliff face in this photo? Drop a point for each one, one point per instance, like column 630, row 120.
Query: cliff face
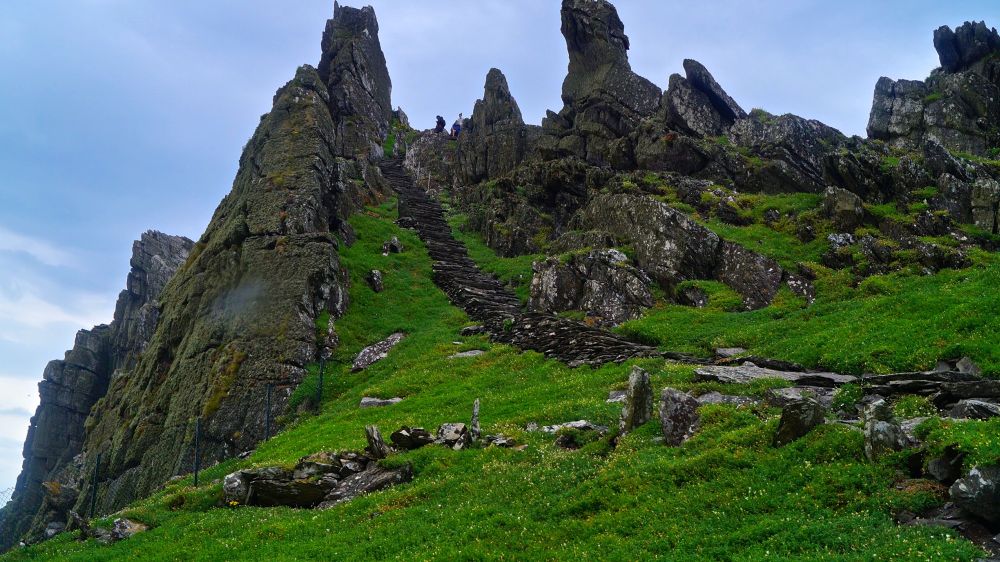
column 71, row 386
column 242, row 312
column 202, row 329
column 959, row 105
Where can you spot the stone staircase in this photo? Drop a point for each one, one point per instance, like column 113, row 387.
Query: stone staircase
column 485, row 300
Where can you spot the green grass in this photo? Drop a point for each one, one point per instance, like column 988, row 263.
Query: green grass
column 894, row 322
column 514, row 271
column 725, row 494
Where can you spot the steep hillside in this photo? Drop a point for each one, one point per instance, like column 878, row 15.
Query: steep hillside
column 656, row 326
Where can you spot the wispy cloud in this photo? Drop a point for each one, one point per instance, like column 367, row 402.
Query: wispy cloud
column 37, row 248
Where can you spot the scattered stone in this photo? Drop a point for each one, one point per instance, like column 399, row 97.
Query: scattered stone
column 454, row 435
column 500, row 441
column 374, row 280
column 410, row 438
column 948, row 467
column 377, row 352
column 845, row 208
column 376, row 445
column 678, row 416
column 883, row 438
column 719, row 398
column 797, row 420
column 126, row 528
column 370, row 402
column 392, row 246
column 373, row 479
column 967, row 366
column 975, row 410
column 475, row 431
column 616, row 396
column 979, row 493
column 782, row 397
column 473, row 331
column 730, row 352
column 580, row 425
column 638, row 407
column 54, row 528
column 748, row 373
column 466, row 354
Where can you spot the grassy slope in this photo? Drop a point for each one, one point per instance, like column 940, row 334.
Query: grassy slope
column 726, row 494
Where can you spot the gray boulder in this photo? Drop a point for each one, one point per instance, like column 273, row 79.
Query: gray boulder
column 370, row 402
column 845, row 208
column 782, row 397
column 454, row 435
column 638, row 408
column 374, row 280
column 719, row 398
column 797, row 420
column 410, row 438
column 979, row 493
column 749, row 372
column 602, row 283
column 975, row 410
column 678, row 416
column 376, row 352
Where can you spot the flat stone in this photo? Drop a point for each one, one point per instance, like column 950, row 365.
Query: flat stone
column 369, row 402
column 745, row 374
column 730, row 351
column 797, row 420
column 720, row 398
column 975, row 410
column 581, row 425
column 470, row 353
column 616, row 396
column 376, row 352
column 781, row 397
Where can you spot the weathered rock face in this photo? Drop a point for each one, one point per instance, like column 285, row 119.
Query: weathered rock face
column 697, row 104
column 354, row 71
column 671, row 248
column 604, row 100
column 797, row 420
column 958, row 105
column 240, row 313
column 601, row 283
column 979, row 492
column 70, row 387
column 495, row 139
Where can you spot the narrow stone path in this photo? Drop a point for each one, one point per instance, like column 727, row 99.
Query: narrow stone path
column 486, row 301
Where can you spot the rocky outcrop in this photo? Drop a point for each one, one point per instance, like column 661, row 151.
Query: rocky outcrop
column 240, row 314
column 602, row 283
column 359, row 89
column 679, row 417
column 70, row 387
column 697, row 104
column 797, row 420
column 959, row 104
column 494, row 141
column 671, row 248
column 604, row 100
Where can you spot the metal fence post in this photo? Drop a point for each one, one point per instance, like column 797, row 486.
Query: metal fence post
column 93, row 489
column 197, row 450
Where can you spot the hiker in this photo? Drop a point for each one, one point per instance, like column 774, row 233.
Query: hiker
column 439, row 127
column 456, row 128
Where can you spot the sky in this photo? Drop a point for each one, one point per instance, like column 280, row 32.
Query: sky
column 119, row 116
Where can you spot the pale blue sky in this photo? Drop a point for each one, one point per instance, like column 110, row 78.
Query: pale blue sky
column 118, row 116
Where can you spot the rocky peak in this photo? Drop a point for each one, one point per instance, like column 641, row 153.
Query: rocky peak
column 604, row 100
column 494, row 140
column 353, row 68
column 697, row 104
column 965, row 46
column 702, row 79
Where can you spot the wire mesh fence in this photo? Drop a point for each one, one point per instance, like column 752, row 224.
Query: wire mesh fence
column 5, row 496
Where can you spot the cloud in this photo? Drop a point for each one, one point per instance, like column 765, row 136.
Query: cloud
column 38, row 249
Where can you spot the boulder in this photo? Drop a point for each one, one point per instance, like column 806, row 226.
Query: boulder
column 374, row 280
column 748, row 373
column 638, row 408
column 373, row 479
column 975, row 410
column 125, row 528
column 678, row 416
column 883, row 438
column 287, row 493
column 410, row 438
column 602, row 283
column 756, row 277
column 798, row 419
column 467, row 354
column 392, row 246
column 979, row 493
column 782, row 397
column 54, row 528
column 236, row 486
column 376, row 352
column 454, row 435
column 843, row 207
column 948, row 467
column 692, row 296
column 616, row 397
column 377, row 448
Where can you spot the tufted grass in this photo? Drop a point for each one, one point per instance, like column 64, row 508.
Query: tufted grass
column 724, row 495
